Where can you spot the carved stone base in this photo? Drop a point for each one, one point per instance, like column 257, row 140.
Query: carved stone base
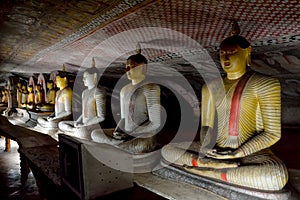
column 226, row 190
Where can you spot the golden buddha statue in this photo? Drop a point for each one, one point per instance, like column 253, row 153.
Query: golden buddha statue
column 4, row 99
column 93, row 107
column 140, row 111
column 24, row 96
column 63, row 103
column 237, row 128
column 50, row 102
column 39, row 95
column 19, row 94
column 7, row 99
column 30, row 97
column 51, row 93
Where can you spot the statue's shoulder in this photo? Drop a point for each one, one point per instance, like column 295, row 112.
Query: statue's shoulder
column 152, row 86
column 213, row 85
column 258, row 77
column 126, row 88
column 100, row 89
column 68, row 91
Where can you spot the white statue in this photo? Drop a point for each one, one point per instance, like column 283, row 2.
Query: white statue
column 93, row 108
column 140, row 111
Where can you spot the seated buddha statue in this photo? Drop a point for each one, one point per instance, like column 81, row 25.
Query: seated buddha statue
column 8, row 102
column 24, row 96
column 140, row 111
column 19, row 94
column 238, row 127
column 30, row 97
column 39, row 95
column 51, row 93
column 4, row 98
column 93, row 107
column 48, row 104
column 63, row 103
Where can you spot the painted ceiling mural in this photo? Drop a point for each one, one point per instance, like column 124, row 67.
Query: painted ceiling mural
column 39, row 36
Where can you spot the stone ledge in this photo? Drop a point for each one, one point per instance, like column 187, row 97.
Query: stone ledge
column 225, row 190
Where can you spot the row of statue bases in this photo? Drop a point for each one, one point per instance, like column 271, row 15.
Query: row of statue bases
column 236, row 152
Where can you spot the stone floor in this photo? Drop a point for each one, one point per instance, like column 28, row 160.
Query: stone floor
column 10, row 176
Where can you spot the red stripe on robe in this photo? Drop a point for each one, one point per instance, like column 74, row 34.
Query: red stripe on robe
column 233, row 127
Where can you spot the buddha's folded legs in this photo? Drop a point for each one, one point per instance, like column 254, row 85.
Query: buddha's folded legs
column 261, row 170
column 139, row 144
column 46, row 124
column 66, row 126
column 85, row 131
column 99, row 136
column 135, row 145
column 177, row 153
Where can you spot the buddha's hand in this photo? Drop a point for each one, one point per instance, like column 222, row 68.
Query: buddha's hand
column 226, row 154
column 120, row 135
column 77, row 124
column 50, row 118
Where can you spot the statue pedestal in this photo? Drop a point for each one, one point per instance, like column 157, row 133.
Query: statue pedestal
column 35, row 114
column 21, row 118
column 92, row 169
column 220, row 188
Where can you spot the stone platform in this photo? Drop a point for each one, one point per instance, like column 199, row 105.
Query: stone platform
column 226, row 190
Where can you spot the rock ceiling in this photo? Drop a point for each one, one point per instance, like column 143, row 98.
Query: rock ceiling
column 41, row 35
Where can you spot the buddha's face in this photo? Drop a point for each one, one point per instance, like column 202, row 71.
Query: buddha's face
column 38, row 88
column 88, row 79
column 134, row 70
column 233, row 58
column 49, row 85
column 29, row 88
column 61, row 82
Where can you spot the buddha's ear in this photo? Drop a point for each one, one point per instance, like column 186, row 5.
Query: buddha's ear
column 248, row 58
column 249, row 49
column 144, row 68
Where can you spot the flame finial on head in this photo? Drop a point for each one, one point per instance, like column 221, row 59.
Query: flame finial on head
column 235, row 29
column 138, row 48
column 63, row 68
column 235, row 38
column 93, row 63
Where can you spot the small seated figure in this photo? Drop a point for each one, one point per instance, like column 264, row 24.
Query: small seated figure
column 51, row 93
column 4, row 99
column 63, row 103
column 8, row 103
column 30, row 98
column 39, row 95
column 237, row 128
column 24, row 96
column 140, row 111
column 19, row 94
column 93, row 108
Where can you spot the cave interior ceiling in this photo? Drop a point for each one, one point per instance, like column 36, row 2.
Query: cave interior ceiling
column 39, row 36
